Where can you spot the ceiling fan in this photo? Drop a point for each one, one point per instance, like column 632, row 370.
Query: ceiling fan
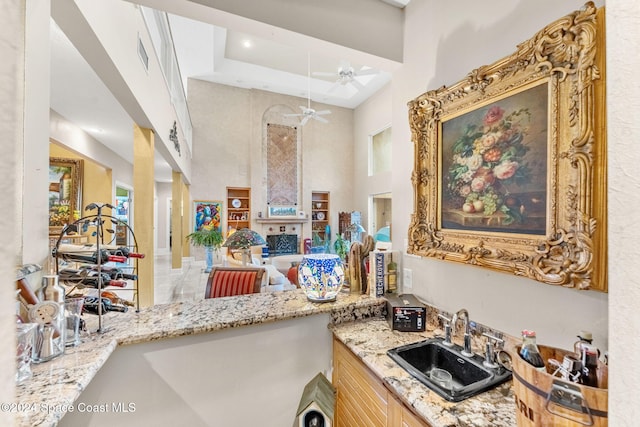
column 308, row 112
column 346, row 74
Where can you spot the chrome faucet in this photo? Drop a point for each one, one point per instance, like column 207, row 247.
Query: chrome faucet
column 467, row 330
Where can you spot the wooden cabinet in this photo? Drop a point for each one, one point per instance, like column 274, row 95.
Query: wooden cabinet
column 238, row 207
column 320, row 212
column 362, row 399
column 399, row 415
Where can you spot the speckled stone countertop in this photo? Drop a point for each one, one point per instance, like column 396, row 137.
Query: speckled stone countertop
column 46, row 397
column 370, row 339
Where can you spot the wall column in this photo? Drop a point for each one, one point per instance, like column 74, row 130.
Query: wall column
column 12, row 127
column 186, row 218
column 176, row 220
column 143, row 193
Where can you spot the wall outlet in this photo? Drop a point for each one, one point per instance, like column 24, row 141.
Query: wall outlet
column 407, row 279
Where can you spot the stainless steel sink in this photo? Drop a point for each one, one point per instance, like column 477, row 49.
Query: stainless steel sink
column 469, row 376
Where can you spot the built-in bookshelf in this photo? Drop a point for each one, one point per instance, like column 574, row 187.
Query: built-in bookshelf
column 238, row 207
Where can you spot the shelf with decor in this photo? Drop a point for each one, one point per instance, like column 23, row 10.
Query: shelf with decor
column 320, row 217
column 238, row 207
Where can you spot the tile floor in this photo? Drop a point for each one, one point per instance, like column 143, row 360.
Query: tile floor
column 175, row 285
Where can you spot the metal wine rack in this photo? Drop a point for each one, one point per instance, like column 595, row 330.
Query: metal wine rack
column 103, row 237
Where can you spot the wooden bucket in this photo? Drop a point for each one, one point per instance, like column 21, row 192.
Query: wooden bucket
column 546, row 400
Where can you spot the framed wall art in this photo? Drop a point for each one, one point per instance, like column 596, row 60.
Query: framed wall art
column 65, row 192
column 510, row 162
column 207, row 215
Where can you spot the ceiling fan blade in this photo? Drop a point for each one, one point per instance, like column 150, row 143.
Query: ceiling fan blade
column 324, row 74
column 357, row 84
column 305, row 120
column 323, row 112
column 293, row 115
column 367, row 72
column 321, row 119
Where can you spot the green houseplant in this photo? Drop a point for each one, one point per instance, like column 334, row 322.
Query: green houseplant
column 341, row 246
column 211, row 239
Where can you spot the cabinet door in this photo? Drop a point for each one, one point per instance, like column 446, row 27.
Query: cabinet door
column 361, row 397
column 401, row 416
column 362, row 400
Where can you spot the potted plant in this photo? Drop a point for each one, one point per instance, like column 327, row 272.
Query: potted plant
column 341, row 246
column 211, row 239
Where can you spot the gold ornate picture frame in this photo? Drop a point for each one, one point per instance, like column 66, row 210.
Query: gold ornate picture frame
column 65, row 192
column 510, row 162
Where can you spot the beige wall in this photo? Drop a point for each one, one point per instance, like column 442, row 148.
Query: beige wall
column 440, row 52
column 228, row 149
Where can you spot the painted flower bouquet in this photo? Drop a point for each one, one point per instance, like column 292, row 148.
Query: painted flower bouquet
column 488, row 160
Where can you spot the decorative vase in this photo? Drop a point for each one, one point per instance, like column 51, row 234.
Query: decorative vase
column 292, row 274
column 321, row 276
column 208, row 250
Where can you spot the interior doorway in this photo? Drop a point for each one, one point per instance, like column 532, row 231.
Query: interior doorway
column 124, row 213
column 380, row 216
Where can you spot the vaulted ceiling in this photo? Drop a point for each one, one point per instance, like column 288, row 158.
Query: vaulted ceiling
column 237, row 56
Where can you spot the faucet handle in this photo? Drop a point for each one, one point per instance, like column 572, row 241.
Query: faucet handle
column 496, row 340
column 445, row 319
column 447, row 330
column 489, row 355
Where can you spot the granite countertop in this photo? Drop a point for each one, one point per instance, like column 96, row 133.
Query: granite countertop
column 369, row 339
column 46, row 397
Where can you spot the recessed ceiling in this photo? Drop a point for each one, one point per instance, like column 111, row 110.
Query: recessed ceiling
column 243, row 60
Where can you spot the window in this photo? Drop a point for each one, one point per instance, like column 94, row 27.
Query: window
column 380, row 152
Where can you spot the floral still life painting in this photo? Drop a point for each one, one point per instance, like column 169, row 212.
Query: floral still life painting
column 494, row 166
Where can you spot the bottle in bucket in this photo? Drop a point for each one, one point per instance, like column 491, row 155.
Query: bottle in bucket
column 530, row 351
column 589, row 359
column 584, row 337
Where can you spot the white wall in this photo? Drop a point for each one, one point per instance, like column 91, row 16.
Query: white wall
column 163, row 193
column 443, row 42
column 106, row 34
column 34, row 156
column 11, row 168
column 370, row 118
column 75, row 139
column 623, row 62
column 237, row 377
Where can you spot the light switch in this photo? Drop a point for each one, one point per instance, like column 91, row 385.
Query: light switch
column 407, row 279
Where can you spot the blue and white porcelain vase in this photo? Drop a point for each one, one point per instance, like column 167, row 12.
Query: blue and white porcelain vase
column 321, row 276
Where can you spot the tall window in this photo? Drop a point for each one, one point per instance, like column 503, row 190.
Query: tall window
column 380, row 152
